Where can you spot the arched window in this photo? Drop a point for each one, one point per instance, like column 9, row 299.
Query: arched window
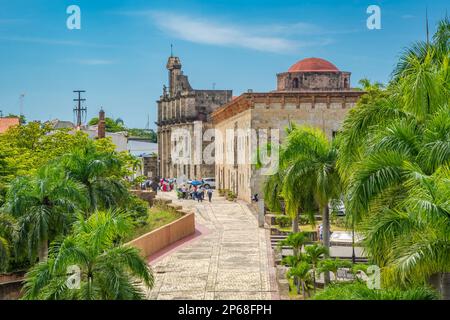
column 295, row 83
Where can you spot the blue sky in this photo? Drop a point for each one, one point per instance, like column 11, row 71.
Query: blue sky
column 119, row 55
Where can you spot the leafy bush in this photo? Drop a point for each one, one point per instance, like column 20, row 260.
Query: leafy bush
column 231, row 195
column 358, row 290
column 138, row 210
column 283, row 221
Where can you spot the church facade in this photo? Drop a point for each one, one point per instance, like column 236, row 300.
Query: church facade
column 312, row 92
column 183, row 108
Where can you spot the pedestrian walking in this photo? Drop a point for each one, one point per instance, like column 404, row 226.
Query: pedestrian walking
column 210, row 192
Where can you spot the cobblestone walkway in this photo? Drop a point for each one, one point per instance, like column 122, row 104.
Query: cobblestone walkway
column 229, row 261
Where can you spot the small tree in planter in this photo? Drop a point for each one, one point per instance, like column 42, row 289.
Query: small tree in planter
column 231, row 196
column 302, row 272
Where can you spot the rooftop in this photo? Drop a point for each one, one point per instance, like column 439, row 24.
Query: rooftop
column 6, row 123
column 313, row 65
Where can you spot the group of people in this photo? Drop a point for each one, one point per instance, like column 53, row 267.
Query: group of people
column 194, row 193
column 165, row 185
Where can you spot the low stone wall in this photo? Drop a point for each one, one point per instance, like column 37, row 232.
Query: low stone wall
column 163, row 237
column 146, row 195
column 11, row 285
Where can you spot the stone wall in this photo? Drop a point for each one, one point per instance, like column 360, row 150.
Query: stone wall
column 163, row 237
column 150, row 169
column 310, row 81
column 234, row 176
column 11, row 285
column 146, row 195
column 269, row 111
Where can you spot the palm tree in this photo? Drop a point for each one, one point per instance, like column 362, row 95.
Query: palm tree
column 309, row 159
column 296, row 241
column 108, row 270
column 333, row 265
column 44, row 206
column 276, row 195
column 100, row 173
column 394, row 157
column 7, row 229
column 301, row 272
column 413, row 241
column 313, row 254
column 418, row 51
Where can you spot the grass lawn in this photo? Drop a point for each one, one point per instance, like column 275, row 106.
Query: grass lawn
column 157, row 217
column 293, row 292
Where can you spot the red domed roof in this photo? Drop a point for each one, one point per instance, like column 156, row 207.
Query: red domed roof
column 313, row 65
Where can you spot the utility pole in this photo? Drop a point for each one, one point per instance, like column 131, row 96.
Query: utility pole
column 79, row 111
column 147, row 126
column 427, row 27
column 21, row 98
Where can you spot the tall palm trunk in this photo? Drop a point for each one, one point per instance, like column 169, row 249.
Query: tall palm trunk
column 314, row 278
column 43, row 250
column 326, row 236
column 441, row 282
column 92, row 200
column 295, row 224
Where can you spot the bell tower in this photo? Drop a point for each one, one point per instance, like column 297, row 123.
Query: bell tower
column 174, row 67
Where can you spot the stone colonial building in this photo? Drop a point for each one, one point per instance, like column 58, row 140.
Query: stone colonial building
column 182, row 107
column 313, row 92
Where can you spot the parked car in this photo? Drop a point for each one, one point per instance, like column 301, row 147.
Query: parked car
column 337, row 207
column 209, row 183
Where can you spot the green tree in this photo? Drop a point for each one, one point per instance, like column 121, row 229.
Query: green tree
column 333, row 265
column 296, row 241
column 302, row 272
column 314, row 254
column 309, row 160
column 108, row 269
column 25, row 149
column 44, row 205
column 277, row 191
column 394, row 157
column 111, row 124
column 101, row 174
column 7, row 230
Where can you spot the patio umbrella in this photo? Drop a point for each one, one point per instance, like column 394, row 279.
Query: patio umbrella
column 196, row 183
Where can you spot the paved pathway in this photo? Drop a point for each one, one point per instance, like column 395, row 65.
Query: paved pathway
column 230, row 260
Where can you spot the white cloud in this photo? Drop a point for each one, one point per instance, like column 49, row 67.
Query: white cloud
column 271, row 37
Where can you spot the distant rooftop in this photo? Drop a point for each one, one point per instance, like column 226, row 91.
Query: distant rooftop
column 6, row 123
